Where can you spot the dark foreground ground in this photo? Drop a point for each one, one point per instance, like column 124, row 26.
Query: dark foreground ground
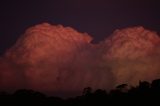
column 145, row 94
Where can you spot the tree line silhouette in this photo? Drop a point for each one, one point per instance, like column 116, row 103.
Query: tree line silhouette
column 145, row 94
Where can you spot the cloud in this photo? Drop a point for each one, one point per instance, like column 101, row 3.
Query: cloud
column 134, row 53
column 60, row 60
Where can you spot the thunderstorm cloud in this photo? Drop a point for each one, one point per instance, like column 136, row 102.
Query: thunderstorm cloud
column 60, row 60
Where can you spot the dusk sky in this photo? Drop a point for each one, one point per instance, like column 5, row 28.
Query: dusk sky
column 99, row 18
column 46, row 47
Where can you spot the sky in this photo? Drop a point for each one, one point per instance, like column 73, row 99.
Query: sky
column 99, row 18
column 69, row 60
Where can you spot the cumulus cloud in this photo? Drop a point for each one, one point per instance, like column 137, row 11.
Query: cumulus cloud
column 133, row 54
column 60, row 60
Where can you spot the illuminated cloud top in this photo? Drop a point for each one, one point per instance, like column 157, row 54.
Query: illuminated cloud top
column 131, row 43
column 45, row 40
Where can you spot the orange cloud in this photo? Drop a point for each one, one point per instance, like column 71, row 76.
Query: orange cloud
column 56, row 59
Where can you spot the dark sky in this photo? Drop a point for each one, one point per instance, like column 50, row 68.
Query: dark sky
column 99, row 18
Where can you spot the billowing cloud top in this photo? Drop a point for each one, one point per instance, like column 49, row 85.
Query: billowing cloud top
column 60, row 60
column 131, row 43
column 43, row 40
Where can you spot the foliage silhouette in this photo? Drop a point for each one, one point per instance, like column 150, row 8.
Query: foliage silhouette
column 146, row 94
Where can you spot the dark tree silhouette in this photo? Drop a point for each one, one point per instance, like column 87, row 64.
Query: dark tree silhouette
column 144, row 94
column 87, row 91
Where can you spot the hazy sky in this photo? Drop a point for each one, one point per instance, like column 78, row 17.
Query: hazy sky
column 99, row 18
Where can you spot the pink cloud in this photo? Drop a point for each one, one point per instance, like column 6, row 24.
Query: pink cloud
column 53, row 59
